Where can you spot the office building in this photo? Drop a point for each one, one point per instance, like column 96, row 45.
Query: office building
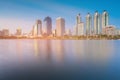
column 79, row 26
column 37, row 28
column 60, row 26
column 48, row 26
column 88, row 24
column 78, row 18
column 97, row 23
column 104, row 20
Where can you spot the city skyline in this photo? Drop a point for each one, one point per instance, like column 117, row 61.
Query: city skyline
column 20, row 13
column 95, row 24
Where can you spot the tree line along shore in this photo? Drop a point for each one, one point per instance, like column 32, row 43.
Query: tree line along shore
column 97, row 37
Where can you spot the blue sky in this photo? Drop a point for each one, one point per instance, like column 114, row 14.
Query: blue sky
column 24, row 13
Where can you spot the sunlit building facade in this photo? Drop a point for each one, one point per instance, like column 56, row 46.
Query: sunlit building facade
column 60, row 26
column 75, row 30
column 68, row 32
column 54, row 32
column 81, row 29
column 19, row 31
column 5, row 32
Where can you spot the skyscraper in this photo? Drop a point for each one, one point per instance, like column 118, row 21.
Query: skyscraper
column 105, row 19
column 79, row 26
column 96, row 23
column 37, row 29
column 60, row 26
column 88, row 24
column 78, row 18
column 48, row 25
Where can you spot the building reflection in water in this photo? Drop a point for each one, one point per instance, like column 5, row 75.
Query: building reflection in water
column 42, row 49
column 71, row 55
column 47, row 52
column 36, row 47
column 93, row 50
column 60, row 50
column 19, row 50
column 101, row 50
column 79, row 49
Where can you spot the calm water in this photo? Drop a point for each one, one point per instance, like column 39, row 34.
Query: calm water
column 59, row 60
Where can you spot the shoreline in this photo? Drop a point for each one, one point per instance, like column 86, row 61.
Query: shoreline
column 65, row 38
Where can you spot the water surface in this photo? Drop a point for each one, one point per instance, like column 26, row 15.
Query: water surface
column 59, row 60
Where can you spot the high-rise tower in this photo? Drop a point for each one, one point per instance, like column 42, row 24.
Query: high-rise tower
column 88, row 24
column 37, row 30
column 79, row 26
column 105, row 19
column 60, row 26
column 78, row 18
column 48, row 25
column 96, row 23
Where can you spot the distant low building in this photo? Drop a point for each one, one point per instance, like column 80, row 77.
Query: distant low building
column 0, row 33
column 54, row 32
column 109, row 30
column 75, row 30
column 18, row 31
column 117, row 32
column 5, row 32
column 68, row 32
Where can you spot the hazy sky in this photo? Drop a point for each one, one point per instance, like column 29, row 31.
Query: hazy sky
column 24, row 13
